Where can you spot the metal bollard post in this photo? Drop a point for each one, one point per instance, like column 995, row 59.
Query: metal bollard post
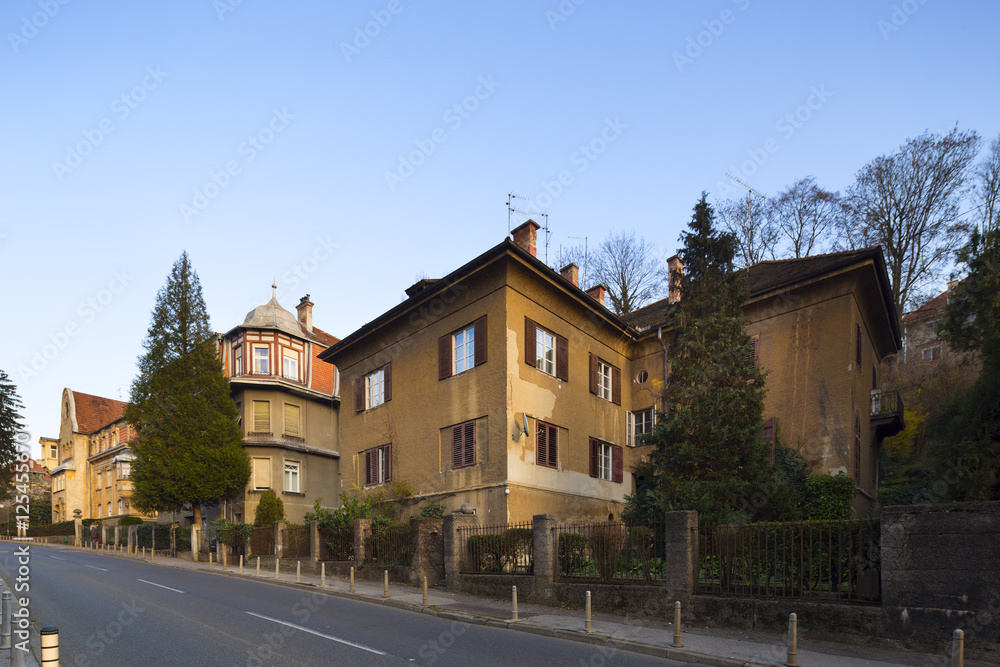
column 958, row 649
column 793, row 640
column 241, row 563
column 513, row 601
column 352, row 578
column 258, row 566
column 425, row 591
column 50, row 646
column 386, row 579
column 276, row 561
column 677, row 625
column 5, row 623
column 144, row 553
column 209, row 560
column 298, row 571
column 589, row 629
column 224, row 559
column 322, row 575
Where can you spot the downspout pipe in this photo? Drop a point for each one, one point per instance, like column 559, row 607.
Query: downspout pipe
column 659, row 337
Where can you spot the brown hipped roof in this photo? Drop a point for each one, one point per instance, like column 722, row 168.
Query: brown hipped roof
column 95, row 412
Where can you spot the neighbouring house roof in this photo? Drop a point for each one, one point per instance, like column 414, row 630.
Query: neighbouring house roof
column 95, row 412
column 68, row 465
column 932, row 307
column 272, row 315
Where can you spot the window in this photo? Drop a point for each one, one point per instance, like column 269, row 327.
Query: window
column 124, row 470
column 261, row 360
column 100, row 480
column 606, row 461
column 292, row 419
column 377, row 465
column 641, row 377
column 932, row 353
column 238, row 361
column 605, row 380
column 754, row 352
column 374, row 389
column 639, row 423
column 290, row 364
column 769, row 434
column 463, row 445
column 114, row 438
column 100, row 511
column 261, row 417
column 463, row 349
column 120, row 509
column 546, row 351
column 857, row 345
column 53, row 452
column 109, row 508
column 547, row 445
column 261, row 474
column 292, row 476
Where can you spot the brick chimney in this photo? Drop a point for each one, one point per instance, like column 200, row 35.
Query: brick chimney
column 675, row 269
column 305, row 311
column 526, row 236
column 597, row 292
column 571, row 272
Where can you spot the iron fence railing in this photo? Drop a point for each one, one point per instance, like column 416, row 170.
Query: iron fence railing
column 262, row 541
column 295, row 541
column 885, row 403
column 611, row 551
column 61, row 529
column 506, row 548
column 336, row 543
column 829, row 560
column 389, row 545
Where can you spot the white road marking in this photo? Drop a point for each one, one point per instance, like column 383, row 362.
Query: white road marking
column 320, row 634
column 97, row 568
column 161, row 586
column 57, row 557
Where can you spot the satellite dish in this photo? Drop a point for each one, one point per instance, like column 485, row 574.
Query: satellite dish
column 525, row 418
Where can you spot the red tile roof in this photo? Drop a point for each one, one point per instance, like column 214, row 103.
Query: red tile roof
column 935, row 305
column 95, row 412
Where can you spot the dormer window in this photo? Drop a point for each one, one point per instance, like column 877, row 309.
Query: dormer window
column 261, row 360
column 290, row 364
column 238, row 361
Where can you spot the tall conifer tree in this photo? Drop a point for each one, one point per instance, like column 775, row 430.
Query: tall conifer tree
column 189, row 448
column 10, row 425
column 709, row 454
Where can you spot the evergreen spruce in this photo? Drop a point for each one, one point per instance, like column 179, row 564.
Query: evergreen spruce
column 189, row 445
column 708, row 453
column 10, row 425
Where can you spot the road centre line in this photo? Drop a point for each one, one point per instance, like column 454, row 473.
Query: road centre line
column 97, row 568
column 320, row 634
column 161, row 586
column 57, row 558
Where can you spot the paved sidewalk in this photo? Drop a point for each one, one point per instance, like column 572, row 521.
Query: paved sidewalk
column 29, row 659
column 709, row 646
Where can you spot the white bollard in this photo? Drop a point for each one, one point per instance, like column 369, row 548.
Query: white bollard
column 276, row 561
column 386, row 579
column 425, row 591
column 589, row 629
column 352, row 578
column 513, row 601
column 322, row 575
column 50, row 646
column 793, row 640
column 258, row 566
column 241, row 563
column 298, row 571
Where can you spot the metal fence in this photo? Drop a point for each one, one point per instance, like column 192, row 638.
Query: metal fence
column 62, row 528
column 295, row 541
column 826, row 560
column 389, row 545
column 262, row 541
column 611, row 551
column 336, row 543
column 506, row 548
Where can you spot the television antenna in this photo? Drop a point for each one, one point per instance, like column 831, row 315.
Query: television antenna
column 583, row 282
column 511, row 208
column 750, row 192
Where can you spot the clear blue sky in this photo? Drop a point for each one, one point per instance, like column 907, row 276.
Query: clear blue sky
column 117, row 114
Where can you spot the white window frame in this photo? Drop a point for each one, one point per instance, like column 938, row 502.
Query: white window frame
column 633, row 424
column 293, row 476
column 463, row 346
column 124, row 470
column 605, row 461
column 262, row 362
column 109, row 508
column 375, row 389
column 290, row 357
column 100, row 510
column 121, row 509
column 380, row 476
column 238, row 361
column 53, row 451
column 545, row 351
column 604, row 380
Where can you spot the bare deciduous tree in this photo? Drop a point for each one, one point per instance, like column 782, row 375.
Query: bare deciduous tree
column 631, row 269
column 750, row 222
column 804, row 214
column 908, row 202
column 988, row 190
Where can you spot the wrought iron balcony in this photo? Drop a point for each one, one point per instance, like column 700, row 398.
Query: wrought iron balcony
column 886, row 412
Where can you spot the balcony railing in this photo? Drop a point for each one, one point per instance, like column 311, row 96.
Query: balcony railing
column 886, row 403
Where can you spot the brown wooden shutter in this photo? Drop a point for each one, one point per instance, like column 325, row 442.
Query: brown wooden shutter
column 755, row 351
column 444, row 357
column 368, row 467
column 456, row 446
column 553, row 446
column 767, row 435
column 387, row 379
column 469, row 453
column 529, row 342
column 616, row 385
column 359, row 394
column 541, row 442
column 595, row 458
column 479, row 328
column 594, row 380
column 617, row 464
column 562, row 358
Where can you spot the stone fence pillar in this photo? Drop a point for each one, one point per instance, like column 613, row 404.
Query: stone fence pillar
column 358, row 528
column 78, row 531
column 681, row 555
column 453, row 546
column 544, row 547
column 279, row 548
column 194, row 542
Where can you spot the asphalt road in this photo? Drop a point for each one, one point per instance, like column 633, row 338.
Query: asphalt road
column 118, row 612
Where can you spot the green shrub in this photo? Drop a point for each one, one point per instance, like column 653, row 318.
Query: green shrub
column 269, row 510
column 572, row 549
column 233, row 534
column 606, row 543
column 130, row 521
column 432, row 510
column 829, row 497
